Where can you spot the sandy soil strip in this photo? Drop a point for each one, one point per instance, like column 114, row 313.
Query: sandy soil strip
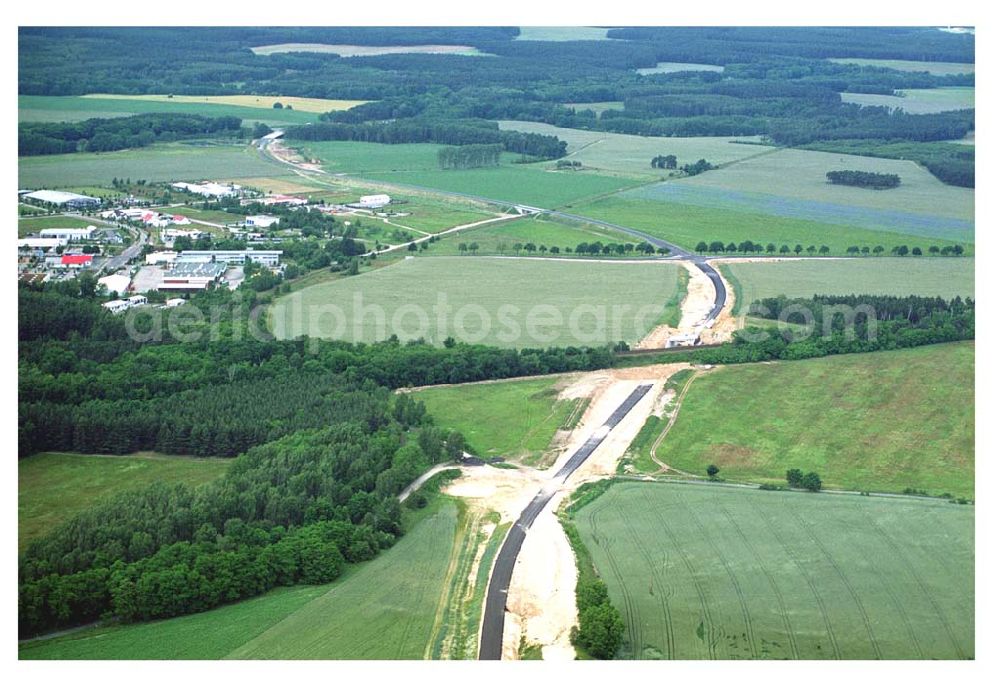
column 695, row 308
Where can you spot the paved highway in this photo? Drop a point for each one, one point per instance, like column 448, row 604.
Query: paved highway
column 491, row 636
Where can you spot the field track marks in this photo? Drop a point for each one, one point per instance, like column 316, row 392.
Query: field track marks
column 927, row 593
column 734, row 524
column 699, row 588
column 831, row 634
column 654, row 576
column 670, row 423
column 744, row 605
column 633, row 621
column 847, row 584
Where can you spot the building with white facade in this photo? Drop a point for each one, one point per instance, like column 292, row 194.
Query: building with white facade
column 374, row 201
column 70, row 234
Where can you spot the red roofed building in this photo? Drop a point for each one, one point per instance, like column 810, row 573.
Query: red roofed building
column 77, row 260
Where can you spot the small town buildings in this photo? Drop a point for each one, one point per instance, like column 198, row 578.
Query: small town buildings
column 117, row 283
column 117, row 306
column 284, row 200
column 261, row 221
column 69, row 234
column 66, row 200
column 137, row 300
column 39, row 243
column 33, row 278
column 76, row 261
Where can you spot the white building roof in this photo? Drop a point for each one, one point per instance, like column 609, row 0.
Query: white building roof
column 41, row 242
column 58, row 197
column 116, row 283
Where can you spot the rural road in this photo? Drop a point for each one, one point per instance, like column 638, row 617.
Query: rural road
column 700, row 262
column 491, row 636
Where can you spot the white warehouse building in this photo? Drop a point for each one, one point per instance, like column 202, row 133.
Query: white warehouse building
column 233, row 258
column 70, row 234
column 261, row 221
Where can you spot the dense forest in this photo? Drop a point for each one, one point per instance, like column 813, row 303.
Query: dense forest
column 107, row 135
column 776, row 82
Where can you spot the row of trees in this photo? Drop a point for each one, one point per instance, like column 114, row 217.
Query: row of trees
column 582, row 249
column 872, row 181
column 751, row 247
column 668, row 161
column 469, row 156
column 809, row 481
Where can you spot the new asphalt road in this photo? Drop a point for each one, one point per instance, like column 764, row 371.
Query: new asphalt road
column 491, row 637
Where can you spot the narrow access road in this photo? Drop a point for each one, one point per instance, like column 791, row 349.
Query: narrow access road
column 491, row 636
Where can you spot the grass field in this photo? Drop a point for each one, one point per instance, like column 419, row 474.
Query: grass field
column 53, row 487
column 523, row 184
column 516, row 419
column 675, row 67
column 688, row 224
column 882, row 421
column 417, row 164
column 313, row 105
column 26, row 226
column 40, row 108
column 562, row 33
column 934, row 68
column 367, row 50
column 173, row 161
column 631, row 154
column 944, row 277
column 793, row 174
column 383, row 609
column 922, row 101
column 511, row 303
column 500, row 238
column 707, row 572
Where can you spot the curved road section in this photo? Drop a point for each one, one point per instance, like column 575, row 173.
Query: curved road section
column 491, row 637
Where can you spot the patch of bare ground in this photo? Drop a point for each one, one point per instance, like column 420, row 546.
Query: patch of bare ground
column 695, row 306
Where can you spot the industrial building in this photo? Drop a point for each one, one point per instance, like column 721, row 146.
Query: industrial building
column 233, row 258
column 75, row 261
column 261, row 221
column 192, row 276
column 121, row 305
column 41, row 243
column 68, row 200
column 69, row 234
column 158, row 257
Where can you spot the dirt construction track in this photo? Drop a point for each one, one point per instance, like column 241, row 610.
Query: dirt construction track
column 491, row 639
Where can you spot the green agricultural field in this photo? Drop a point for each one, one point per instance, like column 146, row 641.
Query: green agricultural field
column 500, row 238
column 688, row 224
column 383, row 609
column 922, row 276
column 41, row 108
column 515, row 419
column 173, row 161
column 795, row 174
column 53, row 487
column 507, row 302
column 562, row 33
column 359, row 158
column 530, row 184
column 922, row 101
column 708, row 572
column 884, row 421
column 631, row 154
column 27, row 226
column 675, row 67
column 933, row 68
